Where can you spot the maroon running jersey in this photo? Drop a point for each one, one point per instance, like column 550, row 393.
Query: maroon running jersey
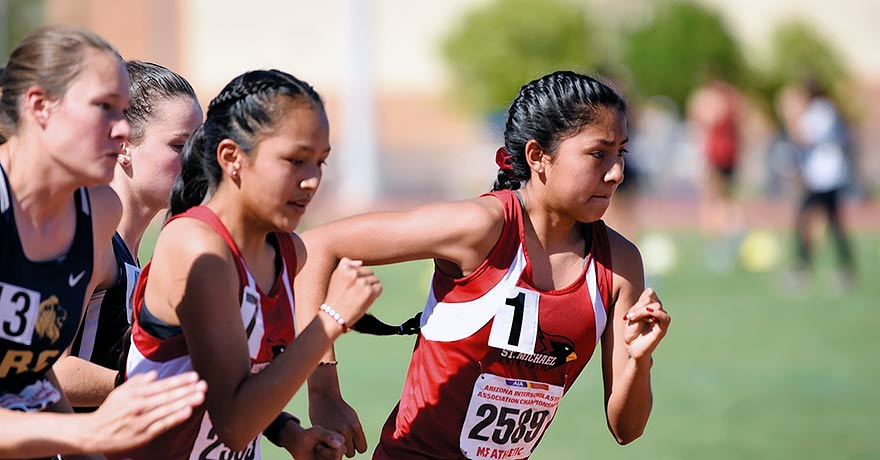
column 495, row 354
column 267, row 319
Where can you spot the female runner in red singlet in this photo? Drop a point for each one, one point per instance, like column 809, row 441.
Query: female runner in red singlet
column 217, row 296
column 527, row 281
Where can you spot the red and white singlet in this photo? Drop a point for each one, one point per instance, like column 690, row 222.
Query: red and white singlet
column 268, row 321
column 495, row 354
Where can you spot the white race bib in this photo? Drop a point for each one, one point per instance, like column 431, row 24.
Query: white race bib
column 34, row 397
column 209, row 447
column 507, row 417
column 515, row 326
column 19, row 308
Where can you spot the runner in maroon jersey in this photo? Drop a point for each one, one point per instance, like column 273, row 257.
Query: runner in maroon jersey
column 218, row 295
column 526, row 279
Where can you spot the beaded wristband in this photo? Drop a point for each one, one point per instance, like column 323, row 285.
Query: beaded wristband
column 328, row 363
column 335, row 315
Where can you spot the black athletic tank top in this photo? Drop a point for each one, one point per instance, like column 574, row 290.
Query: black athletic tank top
column 108, row 315
column 40, row 305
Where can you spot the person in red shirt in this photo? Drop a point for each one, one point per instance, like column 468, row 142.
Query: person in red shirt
column 527, row 281
column 217, row 296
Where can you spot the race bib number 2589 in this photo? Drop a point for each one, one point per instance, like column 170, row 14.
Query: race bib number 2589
column 507, row 417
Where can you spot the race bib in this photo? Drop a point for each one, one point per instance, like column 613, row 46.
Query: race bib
column 34, row 397
column 515, row 326
column 19, row 308
column 252, row 318
column 507, row 417
column 209, row 447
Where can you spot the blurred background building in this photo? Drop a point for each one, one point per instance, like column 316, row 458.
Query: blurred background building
column 411, row 115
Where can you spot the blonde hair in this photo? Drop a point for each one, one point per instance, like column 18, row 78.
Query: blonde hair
column 50, row 57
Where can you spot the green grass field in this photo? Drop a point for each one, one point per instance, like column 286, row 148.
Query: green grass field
column 748, row 370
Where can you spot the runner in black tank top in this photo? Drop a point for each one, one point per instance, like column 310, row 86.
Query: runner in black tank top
column 100, row 339
column 63, row 97
column 40, row 306
column 162, row 114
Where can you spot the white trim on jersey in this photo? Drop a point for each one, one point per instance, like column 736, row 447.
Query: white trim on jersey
column 85, row 202
column 285, row 278
column 90, row 325
column 596, row 299
column 139, row 364
column 4, row 197
column 448, row 322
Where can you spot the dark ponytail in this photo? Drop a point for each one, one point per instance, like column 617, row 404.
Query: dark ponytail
column 197, row 174
column 247, row 109
column 548, row 110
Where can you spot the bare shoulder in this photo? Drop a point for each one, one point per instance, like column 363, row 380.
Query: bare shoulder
column 479, row 216
column 106, row 209
column 183, row 241
column 626, row 261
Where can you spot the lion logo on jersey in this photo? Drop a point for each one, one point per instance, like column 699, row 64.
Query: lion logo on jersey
column 50, row 319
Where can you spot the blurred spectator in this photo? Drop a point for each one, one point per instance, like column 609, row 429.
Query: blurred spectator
column 714, row 112
column 822, row 136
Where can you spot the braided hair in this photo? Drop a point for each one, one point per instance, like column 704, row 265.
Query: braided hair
column 548, row 110
column 247, row 109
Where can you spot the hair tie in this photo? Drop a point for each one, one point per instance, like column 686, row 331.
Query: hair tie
column 502, row 159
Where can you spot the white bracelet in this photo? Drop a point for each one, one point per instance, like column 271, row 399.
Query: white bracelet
column 335, row 315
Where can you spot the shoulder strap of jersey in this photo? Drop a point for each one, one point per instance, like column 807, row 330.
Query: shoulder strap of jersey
column 5, row 193
column 288, row 251
column 601, row 250
column 204, row 214
column 511, row 235
column 288, row 257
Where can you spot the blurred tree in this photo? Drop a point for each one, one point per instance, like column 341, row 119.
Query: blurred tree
column 799, row 52
column 681, row 46
column 17, row 19
column 508, row 43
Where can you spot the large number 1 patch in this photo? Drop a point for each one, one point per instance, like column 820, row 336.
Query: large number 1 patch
column 515, row 326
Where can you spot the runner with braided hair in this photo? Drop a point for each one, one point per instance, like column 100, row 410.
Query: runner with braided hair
column 217, row 296
column 527, row 282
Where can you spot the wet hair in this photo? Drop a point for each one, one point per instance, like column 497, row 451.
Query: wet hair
column 549, row 110
column 50, row 57
column 150, row 84
column 245, row 111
